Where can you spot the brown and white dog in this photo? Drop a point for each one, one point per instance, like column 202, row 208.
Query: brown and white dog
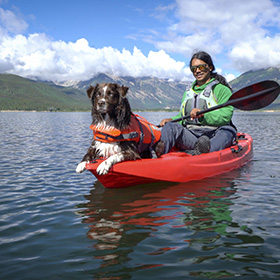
column 111, row 110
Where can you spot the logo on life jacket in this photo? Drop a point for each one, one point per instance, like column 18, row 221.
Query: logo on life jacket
column 139, row 130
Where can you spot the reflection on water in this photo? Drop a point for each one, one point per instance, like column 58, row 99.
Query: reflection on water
column 185, row 227
column 55, row 225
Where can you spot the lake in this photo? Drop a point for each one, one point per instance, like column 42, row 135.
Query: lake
column 56, row 224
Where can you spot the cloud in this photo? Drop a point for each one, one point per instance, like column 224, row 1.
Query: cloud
column 257, row 54
column 246, row 32
column 5, row 66
column 11, row 23
column 38, row 56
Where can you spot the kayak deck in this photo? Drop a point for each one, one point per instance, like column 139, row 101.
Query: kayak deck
column 176, row 166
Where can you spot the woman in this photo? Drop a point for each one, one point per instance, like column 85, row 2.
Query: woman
column 212, row 131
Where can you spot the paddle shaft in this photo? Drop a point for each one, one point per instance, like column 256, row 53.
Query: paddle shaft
column 230, row 102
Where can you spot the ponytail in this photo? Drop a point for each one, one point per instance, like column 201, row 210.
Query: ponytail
column 221, row 79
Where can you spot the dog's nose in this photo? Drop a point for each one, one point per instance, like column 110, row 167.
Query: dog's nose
column 101, row 102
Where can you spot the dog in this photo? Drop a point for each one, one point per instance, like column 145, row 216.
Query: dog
column 113, row 125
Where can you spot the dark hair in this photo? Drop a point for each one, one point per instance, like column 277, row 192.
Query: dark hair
column 208, row 60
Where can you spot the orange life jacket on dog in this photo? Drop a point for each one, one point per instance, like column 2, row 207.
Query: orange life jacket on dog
column 140, row 131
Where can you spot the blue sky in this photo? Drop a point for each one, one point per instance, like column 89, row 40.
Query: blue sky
column 119, row 24
column 73, row 40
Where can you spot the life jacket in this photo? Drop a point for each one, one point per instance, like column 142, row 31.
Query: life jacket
column 204, row 100
column 139, row 130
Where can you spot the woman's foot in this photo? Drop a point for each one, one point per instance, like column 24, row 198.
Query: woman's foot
column 202, row 146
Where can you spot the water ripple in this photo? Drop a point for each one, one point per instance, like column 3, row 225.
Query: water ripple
column 54, row 224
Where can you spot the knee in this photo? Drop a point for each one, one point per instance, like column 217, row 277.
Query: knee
column 227, row 129
column 167, row 128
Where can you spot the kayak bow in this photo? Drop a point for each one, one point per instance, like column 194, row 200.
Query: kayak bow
column 176, row 166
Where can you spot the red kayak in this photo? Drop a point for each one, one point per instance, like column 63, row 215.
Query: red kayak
column 176, row 166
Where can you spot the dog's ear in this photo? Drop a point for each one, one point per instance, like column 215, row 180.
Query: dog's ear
column 123, row 90
column 91, row 90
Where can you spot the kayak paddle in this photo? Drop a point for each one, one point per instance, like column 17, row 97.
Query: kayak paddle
column 250, row 98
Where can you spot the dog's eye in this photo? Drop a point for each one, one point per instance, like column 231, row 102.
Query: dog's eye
column 111, row 94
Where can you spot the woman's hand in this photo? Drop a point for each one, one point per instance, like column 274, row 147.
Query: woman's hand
column 194, row 112
column 164, row 121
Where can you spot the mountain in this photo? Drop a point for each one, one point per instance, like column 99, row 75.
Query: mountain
column 145, row 93
column 252, row 77
column 17, row 93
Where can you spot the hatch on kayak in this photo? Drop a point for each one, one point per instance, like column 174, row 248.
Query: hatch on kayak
column 176, row 166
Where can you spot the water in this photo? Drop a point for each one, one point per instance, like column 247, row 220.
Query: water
column 56, row 224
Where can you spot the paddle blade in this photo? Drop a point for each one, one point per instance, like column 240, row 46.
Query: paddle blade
column 262, row 94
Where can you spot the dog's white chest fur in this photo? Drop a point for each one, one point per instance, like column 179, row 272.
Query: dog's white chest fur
column 112, row 152
column 107, row 149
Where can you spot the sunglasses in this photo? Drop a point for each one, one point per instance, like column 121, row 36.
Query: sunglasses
column 201, row 67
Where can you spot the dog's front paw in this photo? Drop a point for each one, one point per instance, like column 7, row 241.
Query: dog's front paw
column 103, row 168
column 159, row 148
column 81, row 167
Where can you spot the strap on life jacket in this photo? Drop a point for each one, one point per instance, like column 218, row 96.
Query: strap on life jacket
column 139, row 130
column 202, row 100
